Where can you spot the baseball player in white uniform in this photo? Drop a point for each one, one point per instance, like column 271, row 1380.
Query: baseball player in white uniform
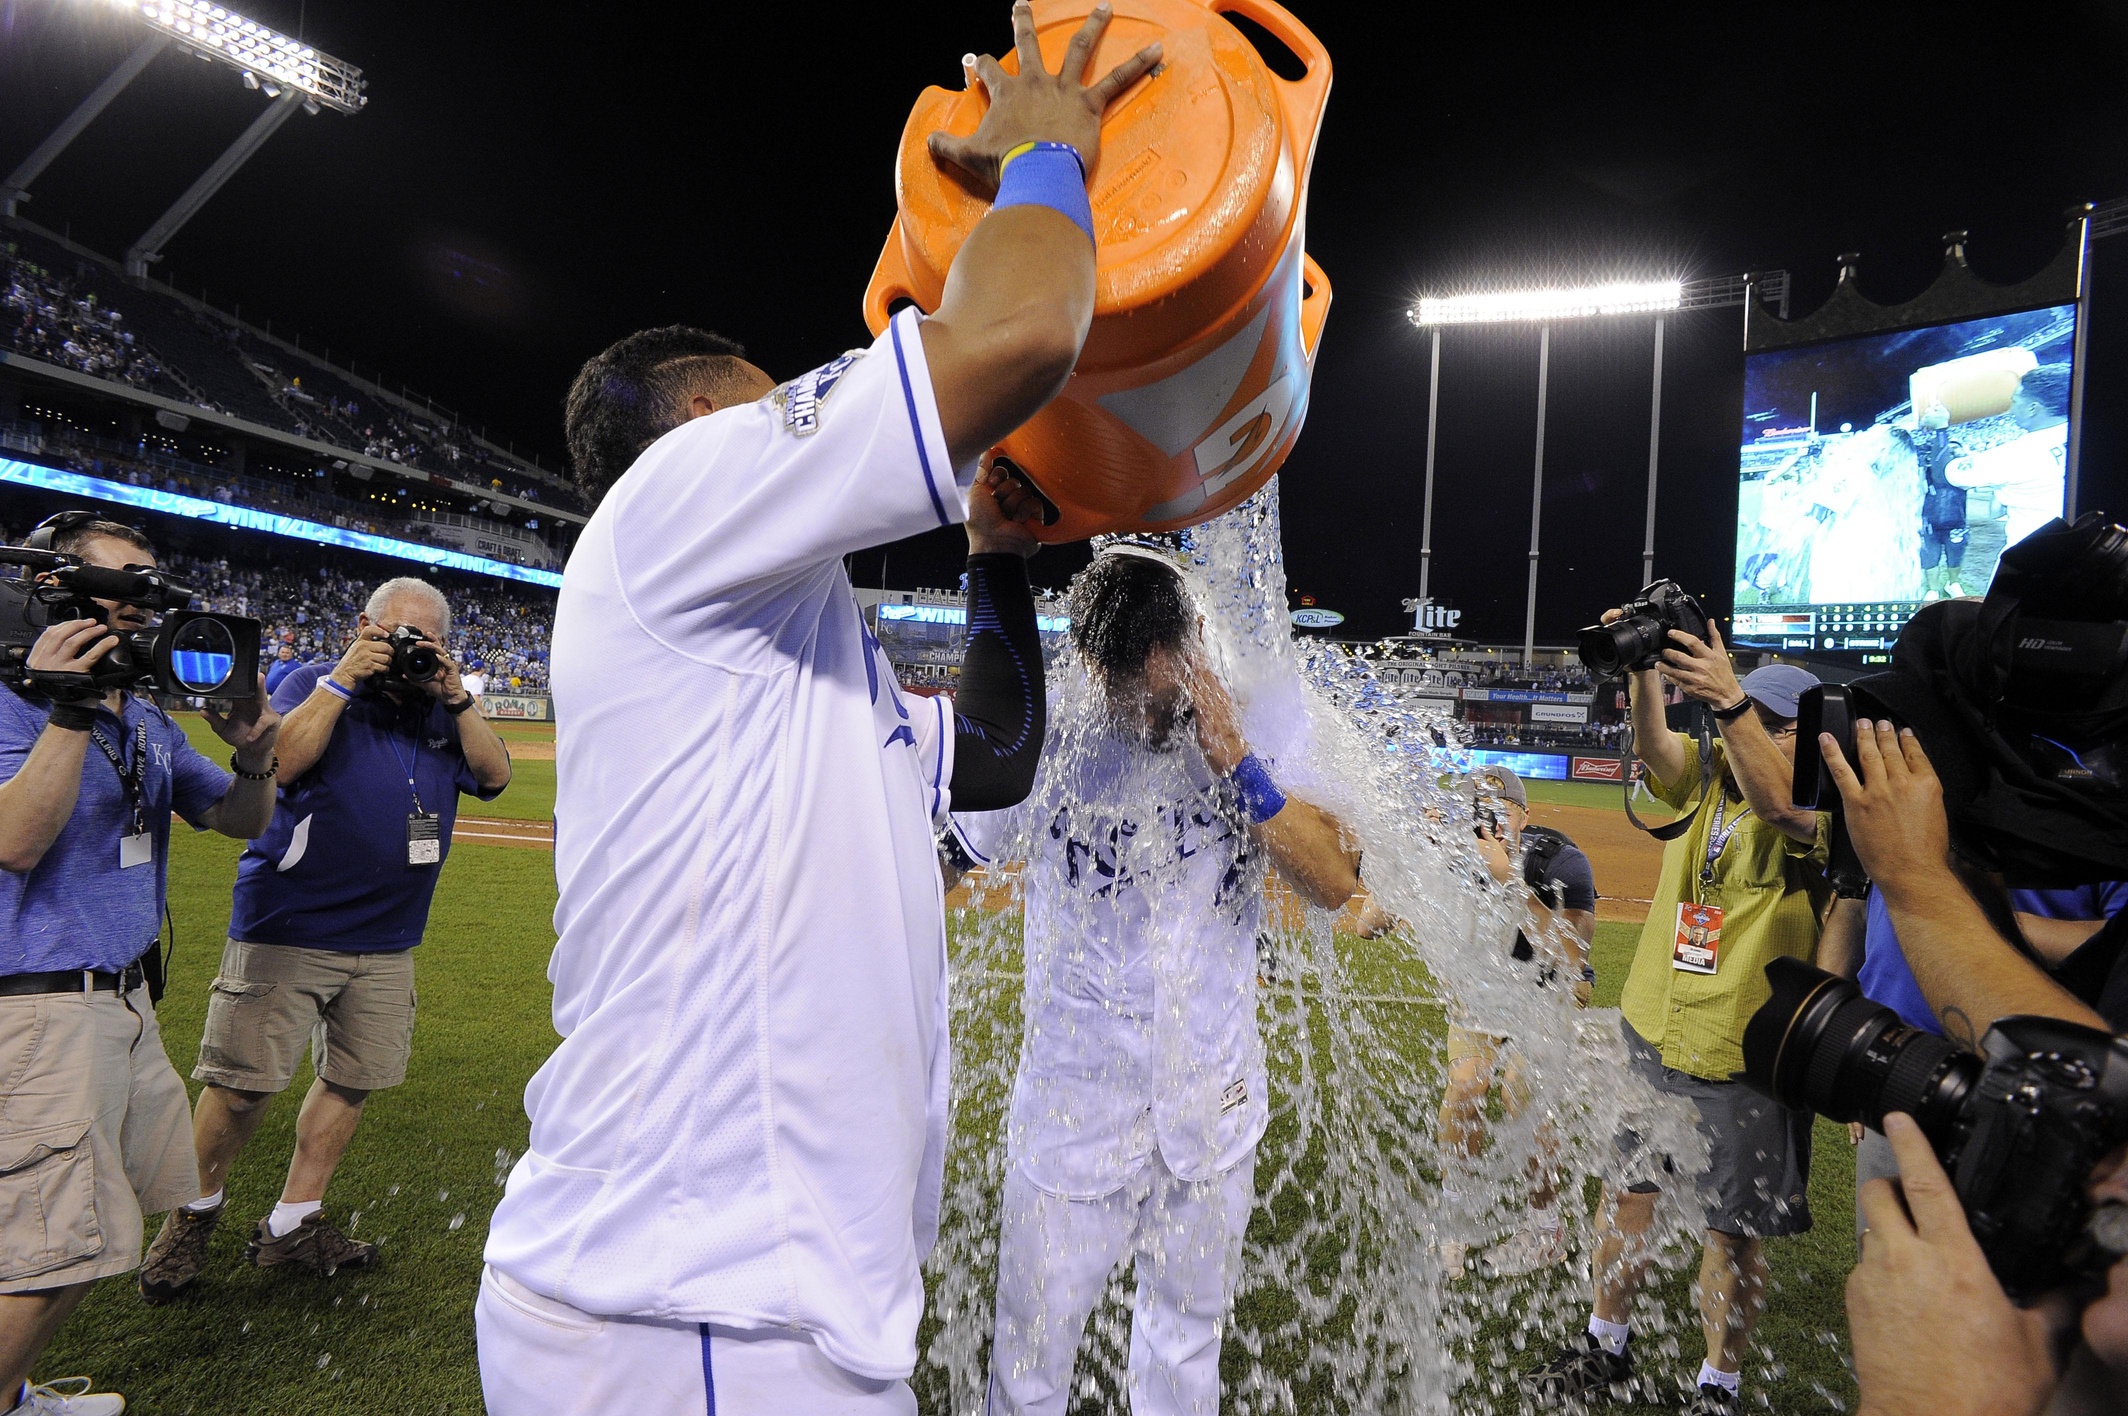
column 736, row 1150
column 1141, row 1091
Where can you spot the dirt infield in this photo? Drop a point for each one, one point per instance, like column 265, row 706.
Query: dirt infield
column 504, row 831
column 1628, row 862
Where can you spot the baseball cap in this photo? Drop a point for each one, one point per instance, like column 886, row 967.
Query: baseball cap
column 1776, row 687
column 1498, row 782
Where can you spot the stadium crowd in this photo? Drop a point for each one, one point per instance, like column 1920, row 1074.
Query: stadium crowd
column 47, row 320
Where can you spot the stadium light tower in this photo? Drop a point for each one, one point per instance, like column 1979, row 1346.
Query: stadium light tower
column 291, row 73
column 1542, row 308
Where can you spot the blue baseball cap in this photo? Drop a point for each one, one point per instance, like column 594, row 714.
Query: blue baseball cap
column 1776, row 687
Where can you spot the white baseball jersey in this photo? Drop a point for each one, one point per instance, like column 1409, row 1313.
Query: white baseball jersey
column 2029, row 474
column 744, row 1123
column 1143, row 902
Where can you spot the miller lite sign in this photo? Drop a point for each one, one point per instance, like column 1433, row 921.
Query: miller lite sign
column 1429, row 618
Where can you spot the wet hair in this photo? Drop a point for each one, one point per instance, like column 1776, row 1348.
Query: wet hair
column 69, row 541
column 636, row 392
column 2048, row 386
column 1122, row 609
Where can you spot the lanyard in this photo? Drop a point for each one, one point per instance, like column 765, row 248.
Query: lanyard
column 408, row 763
column 1718, row 838
column 132, row 783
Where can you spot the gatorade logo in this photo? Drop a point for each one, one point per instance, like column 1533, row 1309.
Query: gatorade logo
column 1233, row 449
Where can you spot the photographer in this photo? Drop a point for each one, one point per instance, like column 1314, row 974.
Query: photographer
column 1560, row 913
column 1739, row 886
column 330, row 901
column 93, row 1120
column 1921, row 1270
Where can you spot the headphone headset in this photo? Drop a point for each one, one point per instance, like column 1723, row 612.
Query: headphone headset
column 46, row 531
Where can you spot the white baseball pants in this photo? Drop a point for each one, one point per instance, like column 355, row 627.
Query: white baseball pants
column 1054, row 1259
column 543, row 1358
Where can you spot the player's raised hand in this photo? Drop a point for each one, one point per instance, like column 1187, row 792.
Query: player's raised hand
column 1035, row 105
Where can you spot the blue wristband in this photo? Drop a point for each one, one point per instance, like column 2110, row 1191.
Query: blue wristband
column 335, row 690
column 1260, row 797
column 1047, row 174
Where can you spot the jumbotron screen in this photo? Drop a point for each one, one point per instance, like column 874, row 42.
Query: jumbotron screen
column 1885, row 471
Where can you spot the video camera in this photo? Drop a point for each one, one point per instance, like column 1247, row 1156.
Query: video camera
column 188, row 653
column 2019, row 1125
column 1636, row 640
column 2020, row 701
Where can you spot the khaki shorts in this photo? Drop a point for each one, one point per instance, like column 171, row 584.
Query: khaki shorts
column 355, row 1010
column 95, row 1131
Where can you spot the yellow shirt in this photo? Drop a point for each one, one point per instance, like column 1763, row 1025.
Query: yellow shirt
column 1770, row 887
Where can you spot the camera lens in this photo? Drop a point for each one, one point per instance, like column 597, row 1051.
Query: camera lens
column 1819, row 1045
column 1611, row 649
column 202, row 655
column 421, row 662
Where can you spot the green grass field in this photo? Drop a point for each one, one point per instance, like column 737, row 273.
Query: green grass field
column 426, row 1170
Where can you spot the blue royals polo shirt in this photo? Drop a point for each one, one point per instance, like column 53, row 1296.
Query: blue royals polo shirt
column 1886, row 977
column 77, row 909
column 331, row 871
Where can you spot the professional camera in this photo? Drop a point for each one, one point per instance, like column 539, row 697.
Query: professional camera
column 2019, row 1125
column 187, row 653
column 414, row 660
column 2020, row 701
column 1636, row 640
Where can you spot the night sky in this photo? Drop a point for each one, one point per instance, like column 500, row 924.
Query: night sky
column 531, row 182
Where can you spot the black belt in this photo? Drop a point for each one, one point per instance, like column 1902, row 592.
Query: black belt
column 73, row 981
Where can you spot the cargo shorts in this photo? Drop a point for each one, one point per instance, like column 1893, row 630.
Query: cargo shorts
column 95, row 1132
column 355, row 1010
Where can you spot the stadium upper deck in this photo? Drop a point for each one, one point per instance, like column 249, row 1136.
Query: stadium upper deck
column 137, row 383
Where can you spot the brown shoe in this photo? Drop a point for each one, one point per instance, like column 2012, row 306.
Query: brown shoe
column 315, row 1243
column 178, row 1254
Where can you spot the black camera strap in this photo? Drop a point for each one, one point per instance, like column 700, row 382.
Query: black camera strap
column 1683, row 823
column 132, row 781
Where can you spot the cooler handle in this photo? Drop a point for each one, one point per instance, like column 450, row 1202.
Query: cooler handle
column 1314, row 303
column 1303, row 97
column 890, row 282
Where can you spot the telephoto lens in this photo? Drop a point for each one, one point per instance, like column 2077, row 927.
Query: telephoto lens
column 1819, row 1045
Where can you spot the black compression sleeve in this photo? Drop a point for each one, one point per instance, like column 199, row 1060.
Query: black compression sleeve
column 1001, row 711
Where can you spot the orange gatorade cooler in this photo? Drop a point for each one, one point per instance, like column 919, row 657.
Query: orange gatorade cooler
column 1207, row 311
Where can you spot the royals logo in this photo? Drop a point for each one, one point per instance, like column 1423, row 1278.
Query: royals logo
column 800, row 399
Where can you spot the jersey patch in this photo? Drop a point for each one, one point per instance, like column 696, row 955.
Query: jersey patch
column 800, row 399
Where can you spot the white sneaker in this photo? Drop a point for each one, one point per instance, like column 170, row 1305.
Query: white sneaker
column 49, row 1400
column 1528, row 1249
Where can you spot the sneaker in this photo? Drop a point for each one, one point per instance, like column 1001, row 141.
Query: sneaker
column 49, row 1400
column 1712, row 1400
column 1528, row 1249
column 316, row 1243
column 1579, row 1371
column 179, row 1253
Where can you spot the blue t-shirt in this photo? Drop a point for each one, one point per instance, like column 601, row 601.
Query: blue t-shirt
column 331, row 871
column 1886, row 979
column 78, row 909
column 278, row 670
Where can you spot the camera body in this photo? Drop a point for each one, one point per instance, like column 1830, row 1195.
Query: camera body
column 1830, row 708
column 1636, row 640
column 186, row 653
column 2019, row 1125
column 414, row 660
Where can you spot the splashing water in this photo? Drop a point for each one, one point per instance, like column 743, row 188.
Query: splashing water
column 1340, row 1302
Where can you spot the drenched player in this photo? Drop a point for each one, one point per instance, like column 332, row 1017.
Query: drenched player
column 1141, row 1089
column 736, row 1151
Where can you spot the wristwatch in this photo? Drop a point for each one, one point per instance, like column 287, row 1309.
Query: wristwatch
column 454, row 709
column 1733, row 711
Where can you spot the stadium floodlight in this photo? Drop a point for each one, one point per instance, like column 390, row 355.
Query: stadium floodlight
column 263, row 55
column 1546, row 306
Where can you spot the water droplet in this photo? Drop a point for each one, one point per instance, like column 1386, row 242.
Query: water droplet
column 324, row 1360
column 458, row 1221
